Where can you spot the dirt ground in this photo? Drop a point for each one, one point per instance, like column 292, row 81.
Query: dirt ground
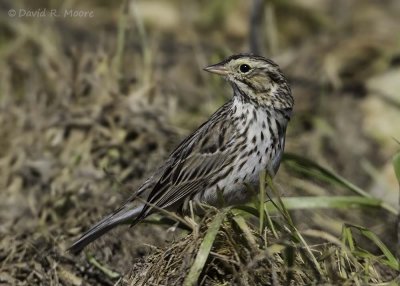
column 91, row 104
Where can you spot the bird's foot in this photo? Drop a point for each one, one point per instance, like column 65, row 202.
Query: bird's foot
column 193, row 224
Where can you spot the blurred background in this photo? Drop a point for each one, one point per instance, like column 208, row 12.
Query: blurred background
column 95, row 94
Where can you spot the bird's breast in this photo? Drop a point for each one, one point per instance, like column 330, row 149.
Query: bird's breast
column 257, row 147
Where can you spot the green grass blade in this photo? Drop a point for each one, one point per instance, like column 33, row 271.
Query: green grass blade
column 280, row 205
column 390, row 258
column 261, row 203
column 321, row 202
column 311, row 202
column 204, row 250
column 108, row 272
column 311, row 169
column 246, row 209
column 392, row 261
column 396, row 165
column 241, row 223
column 270, row 223
column 347, row 237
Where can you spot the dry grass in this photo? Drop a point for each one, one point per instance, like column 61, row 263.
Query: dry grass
column 240, row 255
column 90, row 104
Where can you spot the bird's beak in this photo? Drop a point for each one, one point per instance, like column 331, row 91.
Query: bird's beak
column 218, row 69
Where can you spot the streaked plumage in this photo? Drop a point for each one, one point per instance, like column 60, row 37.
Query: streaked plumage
column 243, row 137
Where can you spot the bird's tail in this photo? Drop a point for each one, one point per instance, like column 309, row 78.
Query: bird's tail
column 121, row 216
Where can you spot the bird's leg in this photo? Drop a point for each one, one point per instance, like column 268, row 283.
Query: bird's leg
column 191, row 220
column 173, row 228
column 193, row 224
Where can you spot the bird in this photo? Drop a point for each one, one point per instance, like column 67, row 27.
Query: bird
column 223, row 156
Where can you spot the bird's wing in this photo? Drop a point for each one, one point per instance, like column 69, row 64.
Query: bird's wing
column 195, row 163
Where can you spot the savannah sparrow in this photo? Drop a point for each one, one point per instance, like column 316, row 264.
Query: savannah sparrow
column 225, row 154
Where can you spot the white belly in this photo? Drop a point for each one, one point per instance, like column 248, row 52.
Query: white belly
column 256, row 157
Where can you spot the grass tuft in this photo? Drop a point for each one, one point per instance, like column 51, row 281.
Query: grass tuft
column 235, row 247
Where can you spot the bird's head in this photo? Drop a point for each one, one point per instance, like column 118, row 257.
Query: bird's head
column 256, row 79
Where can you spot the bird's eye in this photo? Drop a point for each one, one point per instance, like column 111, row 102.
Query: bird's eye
column 244, row 68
